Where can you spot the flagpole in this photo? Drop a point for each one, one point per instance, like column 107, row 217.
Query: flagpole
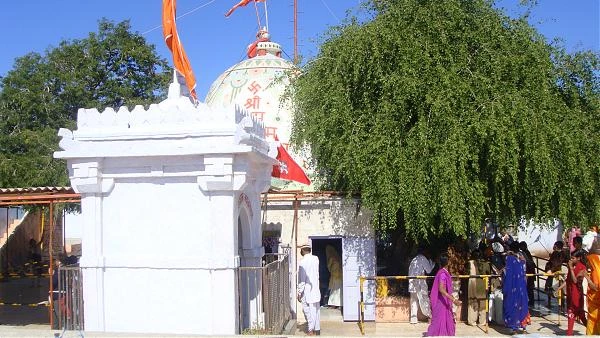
column 296, row 32
column 266, row 16
column 257, row 15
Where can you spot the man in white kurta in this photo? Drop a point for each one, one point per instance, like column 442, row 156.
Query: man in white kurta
column 308, row 289
column 419, row 295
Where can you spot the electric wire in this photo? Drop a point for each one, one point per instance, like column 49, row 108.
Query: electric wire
column 182, row 15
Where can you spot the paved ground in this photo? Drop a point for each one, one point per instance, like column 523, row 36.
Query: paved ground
column 30, row 321
column 23, row 291
column 547, row 324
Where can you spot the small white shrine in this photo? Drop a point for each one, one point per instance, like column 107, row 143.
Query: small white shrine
column 170, row 198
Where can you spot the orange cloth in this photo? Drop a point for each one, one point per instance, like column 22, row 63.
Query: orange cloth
column 180, row 59
column 593, row 324
column 240, row 4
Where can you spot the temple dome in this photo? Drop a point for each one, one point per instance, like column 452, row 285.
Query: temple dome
column 257, row 84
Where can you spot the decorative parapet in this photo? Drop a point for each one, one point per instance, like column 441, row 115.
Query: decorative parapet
column 171, row 119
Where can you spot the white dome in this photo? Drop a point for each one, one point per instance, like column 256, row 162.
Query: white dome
column 257, row 84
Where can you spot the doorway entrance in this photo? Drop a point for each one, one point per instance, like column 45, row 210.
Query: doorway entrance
column 329, row 251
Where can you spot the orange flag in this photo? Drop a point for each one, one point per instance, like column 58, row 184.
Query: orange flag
column 240, row 4
column 180, row 60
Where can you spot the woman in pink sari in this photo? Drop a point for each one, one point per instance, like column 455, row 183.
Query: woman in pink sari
column 442, row 320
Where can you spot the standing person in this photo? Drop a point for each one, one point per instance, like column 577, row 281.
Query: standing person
column 457, row 265
column 308, row 289
column 477, row 292
column 593, row 296
column 555, row 262
column 529, row 269
column 334, row 265
column 514, row 288
column 575, row 231
column 578, row 245
column 574, row 284
column 420, row 265
column 498, row 262
column 442, row 320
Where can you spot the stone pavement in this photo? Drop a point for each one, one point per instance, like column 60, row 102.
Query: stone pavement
column 540, row 327
column 33, row 321
column 543, row 323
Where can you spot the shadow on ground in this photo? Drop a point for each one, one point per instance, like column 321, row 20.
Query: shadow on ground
column 18, row 296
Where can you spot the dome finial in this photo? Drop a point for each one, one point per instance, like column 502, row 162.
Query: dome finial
column 263, row 45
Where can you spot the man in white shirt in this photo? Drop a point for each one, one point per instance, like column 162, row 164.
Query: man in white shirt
column 419, row 295
column 308, row 289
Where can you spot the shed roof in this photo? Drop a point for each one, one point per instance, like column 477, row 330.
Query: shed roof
column 38, row 195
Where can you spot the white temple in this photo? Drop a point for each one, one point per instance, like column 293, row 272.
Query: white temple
column 171, row 207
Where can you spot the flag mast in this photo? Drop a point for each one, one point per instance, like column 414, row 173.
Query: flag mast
column 296, row 32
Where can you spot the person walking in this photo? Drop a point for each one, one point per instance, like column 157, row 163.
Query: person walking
column 442, row 319
column 420, row 265
column 308, row 292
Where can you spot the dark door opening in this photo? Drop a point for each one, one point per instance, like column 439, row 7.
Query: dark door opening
column 320, row 249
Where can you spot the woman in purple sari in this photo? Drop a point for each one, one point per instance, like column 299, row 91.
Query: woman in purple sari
column 514, row 288
column 442, row 320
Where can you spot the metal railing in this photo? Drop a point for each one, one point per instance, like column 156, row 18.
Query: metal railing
column 486, row 279
column 267, row 310
column 68, row 299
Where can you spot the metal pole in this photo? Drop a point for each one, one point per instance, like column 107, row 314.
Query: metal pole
column 295, row 32
column 487, row 305
column 361, row 322
column 559, row 296
column 51, row 271
column 295, row 226
column 6, row 244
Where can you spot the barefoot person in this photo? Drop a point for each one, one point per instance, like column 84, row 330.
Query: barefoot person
column 577, row 273
column 442, row 320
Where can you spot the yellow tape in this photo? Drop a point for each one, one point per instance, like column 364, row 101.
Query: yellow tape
column 17, row 304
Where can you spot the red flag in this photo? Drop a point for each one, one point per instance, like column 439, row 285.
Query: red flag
column 288, row 169
column 180, row 60
column 240, row 4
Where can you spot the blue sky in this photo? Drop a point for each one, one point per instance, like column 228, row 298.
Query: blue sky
column 214, row 43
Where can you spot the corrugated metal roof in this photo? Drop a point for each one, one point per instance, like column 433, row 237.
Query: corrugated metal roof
column 35, row 190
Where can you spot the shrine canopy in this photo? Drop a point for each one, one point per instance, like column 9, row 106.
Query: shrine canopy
column 37, row 195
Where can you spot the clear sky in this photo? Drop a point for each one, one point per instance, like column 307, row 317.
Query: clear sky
column 214, row 43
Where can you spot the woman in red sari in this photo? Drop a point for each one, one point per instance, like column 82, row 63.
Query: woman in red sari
column 577, row 273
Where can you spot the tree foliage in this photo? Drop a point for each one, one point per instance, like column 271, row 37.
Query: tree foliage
column 110, row 68
column 442, row 113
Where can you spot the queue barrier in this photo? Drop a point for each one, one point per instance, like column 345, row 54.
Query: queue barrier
column 486, row 278
column 45, row 303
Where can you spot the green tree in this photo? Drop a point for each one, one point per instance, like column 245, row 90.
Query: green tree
column 110, row 68
column 442, row 113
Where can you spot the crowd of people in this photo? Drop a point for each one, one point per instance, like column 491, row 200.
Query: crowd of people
column 510, row 292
